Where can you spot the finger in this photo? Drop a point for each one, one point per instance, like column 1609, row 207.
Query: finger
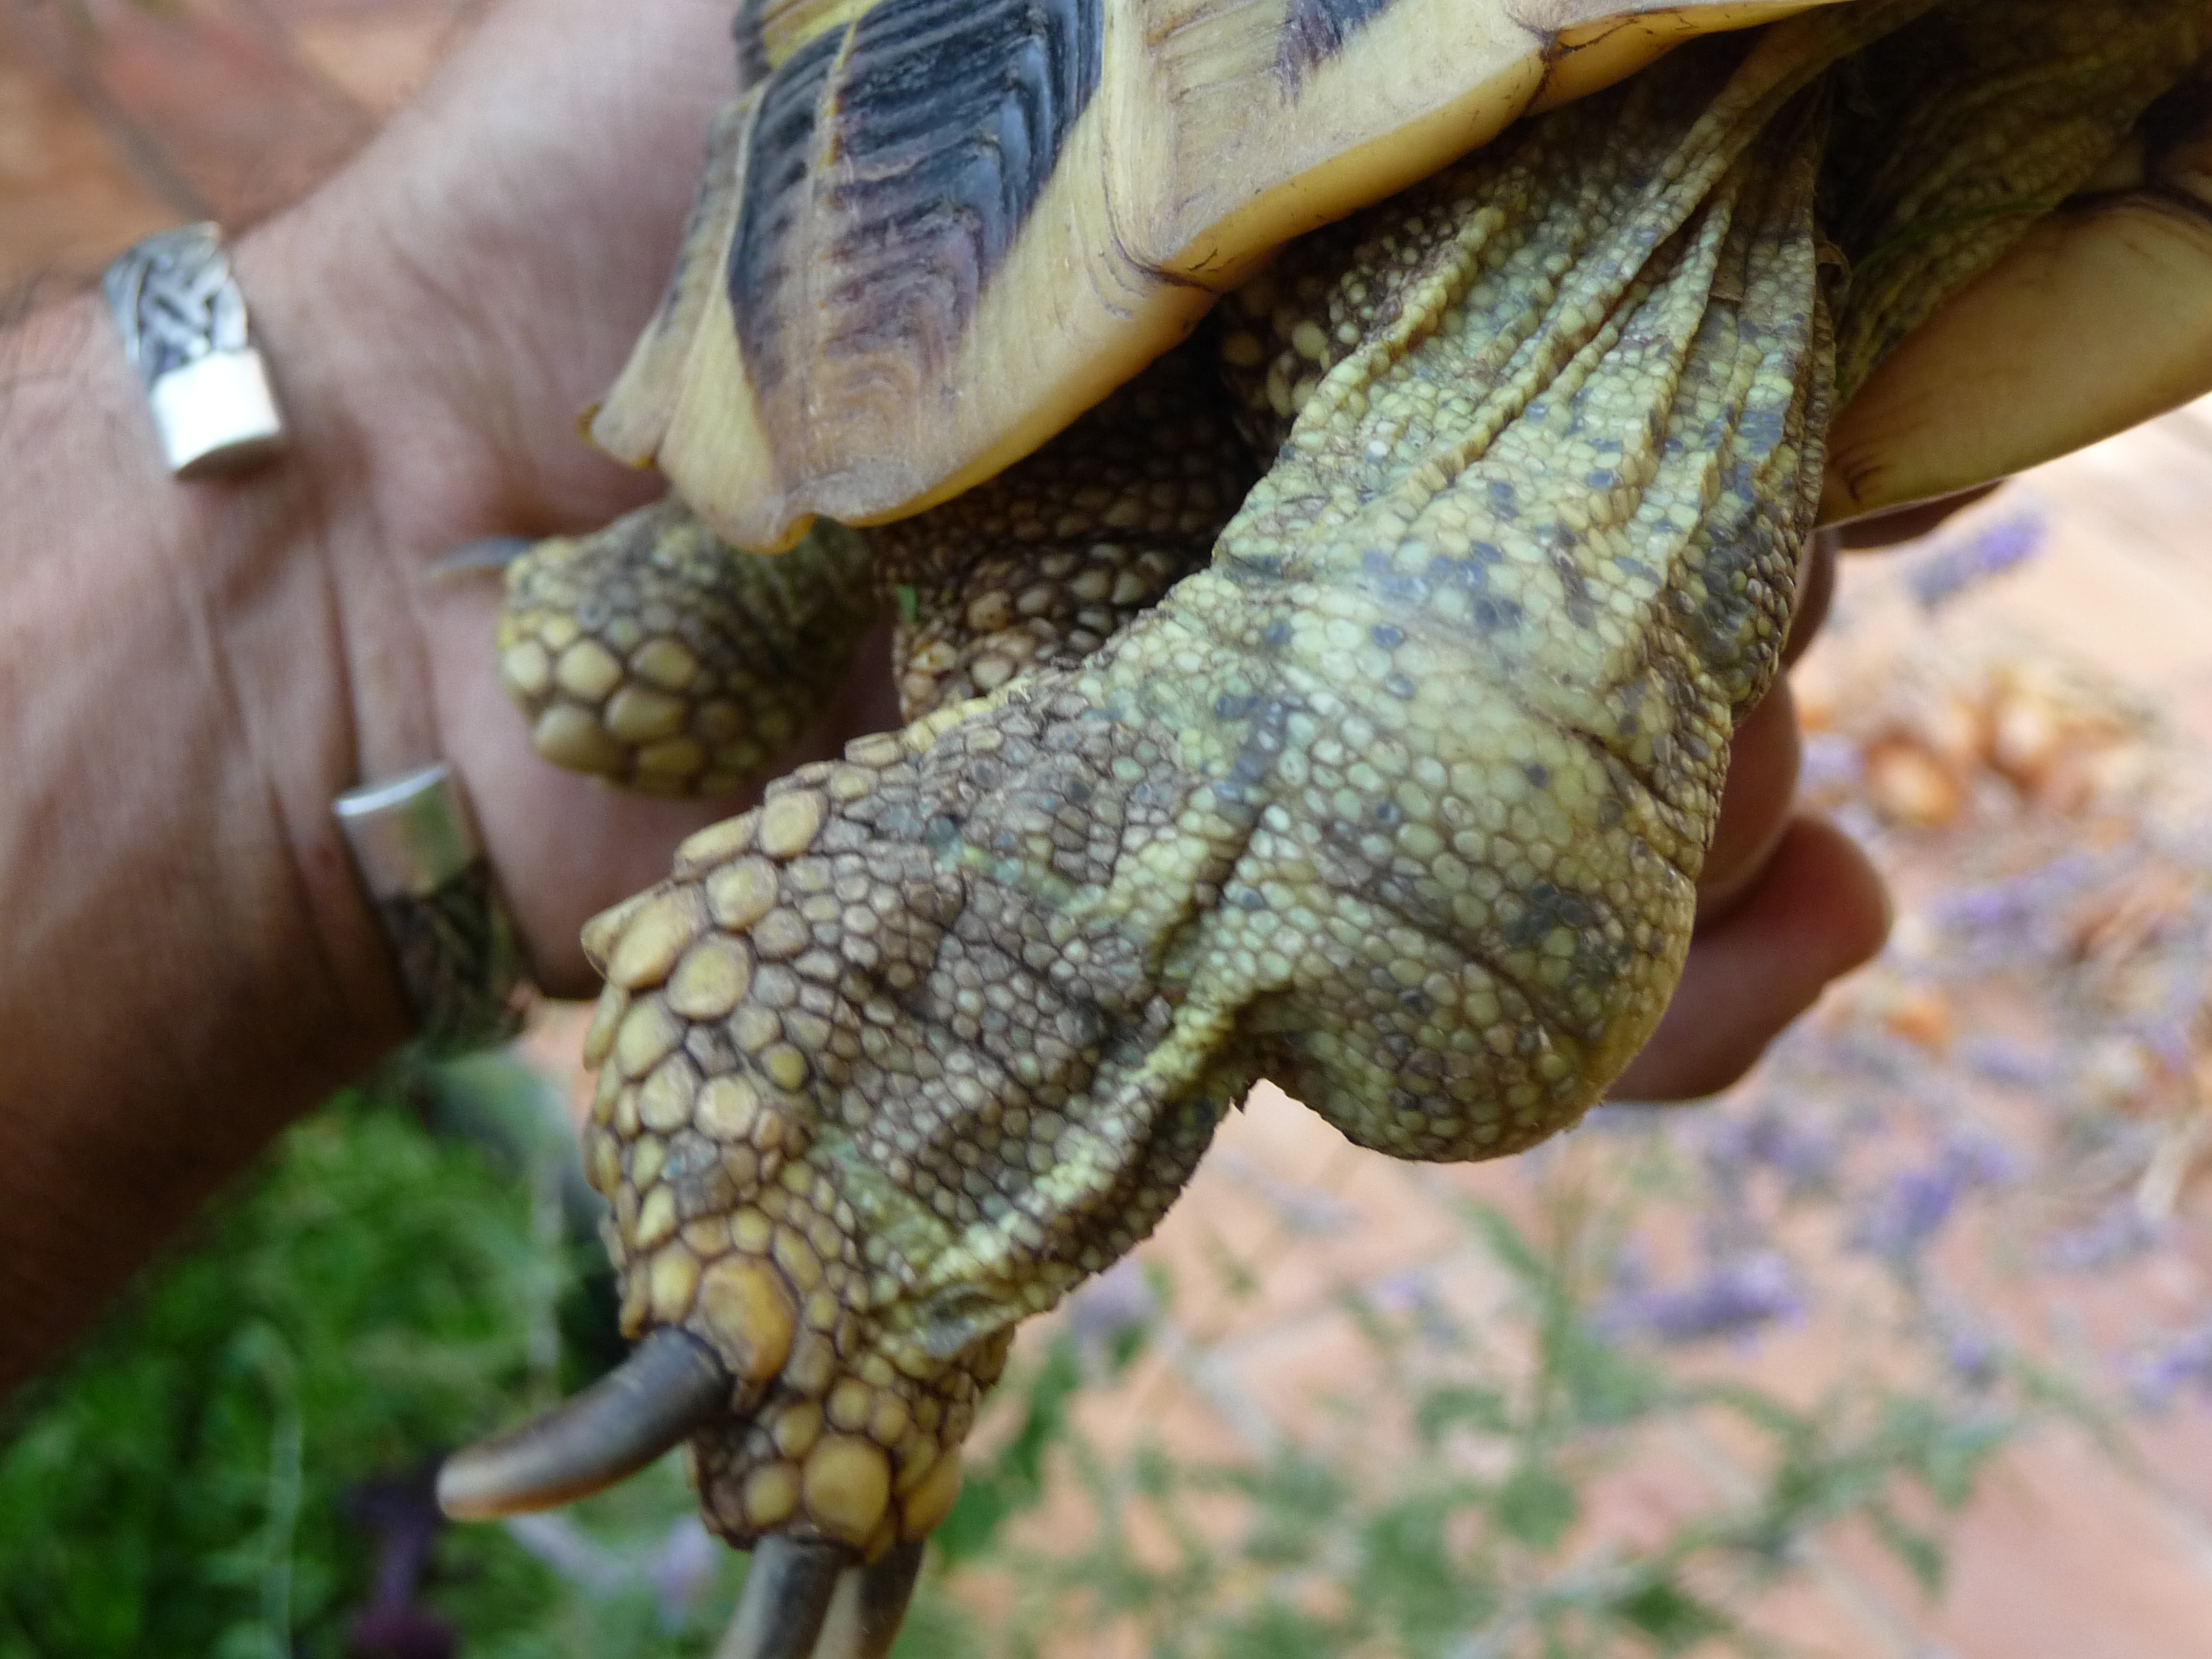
column 786, row 1600
column 1906, row 524
column 1818, row 911
column 870, row 1603
column 1762, row 779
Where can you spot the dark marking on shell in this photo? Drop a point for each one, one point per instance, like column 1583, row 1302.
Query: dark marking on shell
column 949, row 118
column 779, row 179
column 725, row 142
column 751, row 34
column 1314, row 31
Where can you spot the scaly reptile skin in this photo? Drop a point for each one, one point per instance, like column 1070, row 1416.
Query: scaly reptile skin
column 656, row 655
column 1401, row 800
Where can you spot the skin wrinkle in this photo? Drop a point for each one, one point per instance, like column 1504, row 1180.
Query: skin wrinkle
column 192, row 607
column 315, row 482
column 214, row 648
column 2172, row 198
column 202, row 862
column 1531, row 995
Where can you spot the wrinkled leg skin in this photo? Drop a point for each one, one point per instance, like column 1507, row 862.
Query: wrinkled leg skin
column 1401, row 801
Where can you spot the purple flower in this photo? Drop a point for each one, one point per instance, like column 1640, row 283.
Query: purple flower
column 2017, row 911
column 1857, row 818
column 1403, row 1291
column 2002, row 1059
column 1982, row 1159
column 683, row 1571
column 1629, row 1117
column 1953, row 567
column 679, row 1572
column 1770, row 1138
column 573, row 1553
column 402, row 1631
column 1971, row 1354
column 1910, row 1211
column 1733, row 1298
column 1118, row 1302
column 2120, row 1232
column 1830, row 763
column 2183, row 1362
column 401, row 1512
column 1917, row 1203
column 1971, row 1357
column 1414, row 1291
column 2170, row 1033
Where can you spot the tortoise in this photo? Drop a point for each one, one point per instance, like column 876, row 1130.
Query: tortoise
column 1339, row 469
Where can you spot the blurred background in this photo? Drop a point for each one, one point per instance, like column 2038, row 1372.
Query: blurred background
column 1901, row 1348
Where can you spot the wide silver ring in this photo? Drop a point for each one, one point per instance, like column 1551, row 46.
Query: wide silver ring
column 184, row 327
column 414, row 843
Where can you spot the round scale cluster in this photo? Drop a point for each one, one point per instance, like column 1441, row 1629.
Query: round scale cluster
column 654, row 656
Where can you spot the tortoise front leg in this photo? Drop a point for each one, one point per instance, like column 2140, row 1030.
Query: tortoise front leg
column 655, row 655
column 1402, row 800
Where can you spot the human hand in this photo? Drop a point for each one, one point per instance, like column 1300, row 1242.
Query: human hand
column 522, row 215
column 192, row 672
column 1787, row 903
column 448, row 305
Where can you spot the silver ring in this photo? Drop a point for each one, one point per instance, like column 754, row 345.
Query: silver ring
column 414, row 843
column 185, row 330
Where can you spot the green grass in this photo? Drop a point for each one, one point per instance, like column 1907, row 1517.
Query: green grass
column 366, row 1299
column 376, row 1293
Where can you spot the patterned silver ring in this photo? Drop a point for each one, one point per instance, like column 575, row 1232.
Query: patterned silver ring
column 414, row 843
column 184, row 328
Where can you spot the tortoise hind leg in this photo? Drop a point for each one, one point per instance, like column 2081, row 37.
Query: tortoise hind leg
column 655, row 655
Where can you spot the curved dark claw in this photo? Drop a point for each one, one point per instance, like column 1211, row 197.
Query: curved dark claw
column 669, row 1386
column 865, row 1613
column 493, row 553
column 786, row 1599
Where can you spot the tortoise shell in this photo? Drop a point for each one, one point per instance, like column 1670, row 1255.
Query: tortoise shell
column 932, row 233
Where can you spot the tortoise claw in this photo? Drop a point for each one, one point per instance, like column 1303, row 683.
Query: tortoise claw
column 670, row 1386
column 493, row 553
column 786, row 1599
column 869, row 1606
